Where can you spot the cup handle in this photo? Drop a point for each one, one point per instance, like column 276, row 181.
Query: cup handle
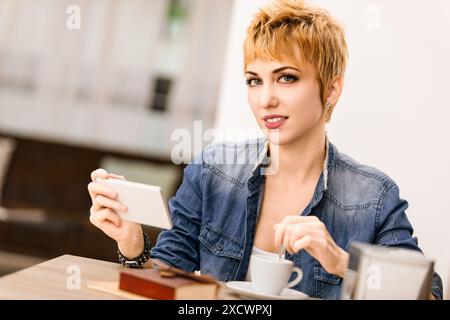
column 297, row 279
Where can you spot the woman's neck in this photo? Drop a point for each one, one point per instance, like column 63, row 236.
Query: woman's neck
column 302, row 159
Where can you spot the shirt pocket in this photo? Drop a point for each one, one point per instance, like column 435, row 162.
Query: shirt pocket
column 328, row 285
column 220, row 253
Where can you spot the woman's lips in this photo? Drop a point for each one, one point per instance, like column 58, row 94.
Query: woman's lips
column 274, row 123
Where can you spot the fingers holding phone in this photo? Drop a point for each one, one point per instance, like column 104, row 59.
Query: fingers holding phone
column 105, row 207
column 95, row 188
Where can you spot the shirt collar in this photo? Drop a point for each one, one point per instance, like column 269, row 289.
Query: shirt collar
column 263, row 157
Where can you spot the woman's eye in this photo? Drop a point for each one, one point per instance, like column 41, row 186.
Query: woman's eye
column 253, row 82
column 287, row 78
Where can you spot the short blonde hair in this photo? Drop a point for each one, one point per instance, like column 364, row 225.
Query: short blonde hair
column 286, row 26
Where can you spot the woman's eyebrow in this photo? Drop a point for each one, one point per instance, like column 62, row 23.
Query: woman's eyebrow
column 284, row 68
column 277, row 70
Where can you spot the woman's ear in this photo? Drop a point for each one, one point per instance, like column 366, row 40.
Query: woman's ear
column 334, row 91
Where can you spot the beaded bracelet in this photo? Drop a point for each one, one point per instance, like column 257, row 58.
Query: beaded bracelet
column 140, row 260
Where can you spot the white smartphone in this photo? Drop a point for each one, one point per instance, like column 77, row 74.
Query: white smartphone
column 146, row 203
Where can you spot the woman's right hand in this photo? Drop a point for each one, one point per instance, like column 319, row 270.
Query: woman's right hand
column 128, row 235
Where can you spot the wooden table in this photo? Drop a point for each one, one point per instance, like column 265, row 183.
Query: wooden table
column 54, row 279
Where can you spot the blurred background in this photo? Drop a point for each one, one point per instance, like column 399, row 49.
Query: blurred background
column 88, row 84
column 104, row 83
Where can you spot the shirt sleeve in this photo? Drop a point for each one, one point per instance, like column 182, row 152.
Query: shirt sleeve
column 392, row 228
column 179, row 245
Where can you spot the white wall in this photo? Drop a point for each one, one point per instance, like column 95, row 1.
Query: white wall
column 395, row 108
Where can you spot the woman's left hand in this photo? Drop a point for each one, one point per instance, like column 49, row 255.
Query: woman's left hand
column 309, row 233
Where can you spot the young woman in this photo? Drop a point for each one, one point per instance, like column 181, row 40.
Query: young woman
column 302, row 194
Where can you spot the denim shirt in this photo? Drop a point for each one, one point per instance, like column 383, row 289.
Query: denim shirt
column 215, row 212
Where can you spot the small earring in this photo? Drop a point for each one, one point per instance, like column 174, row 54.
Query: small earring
column 327, row 105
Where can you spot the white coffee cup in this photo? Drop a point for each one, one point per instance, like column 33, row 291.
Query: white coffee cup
column 271, row 276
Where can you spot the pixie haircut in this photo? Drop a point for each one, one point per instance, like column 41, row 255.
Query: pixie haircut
column 294, row 30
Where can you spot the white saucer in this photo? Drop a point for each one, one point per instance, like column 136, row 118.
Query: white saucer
column 245, row 289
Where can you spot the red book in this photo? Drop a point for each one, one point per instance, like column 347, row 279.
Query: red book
column 168, row 284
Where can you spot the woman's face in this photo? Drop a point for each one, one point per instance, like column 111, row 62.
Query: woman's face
column 284, row 98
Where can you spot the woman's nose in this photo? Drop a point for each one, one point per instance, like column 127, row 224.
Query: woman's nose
column 268, row 98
